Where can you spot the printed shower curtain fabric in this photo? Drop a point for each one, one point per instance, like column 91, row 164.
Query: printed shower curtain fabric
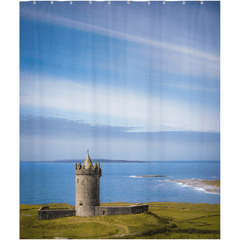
column 128, row 81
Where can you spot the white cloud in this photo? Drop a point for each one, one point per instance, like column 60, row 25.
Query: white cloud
column 115, row 107
column 191, row 87
column 63, row 21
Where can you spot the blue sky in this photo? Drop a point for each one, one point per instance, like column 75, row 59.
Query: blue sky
column 126, row 81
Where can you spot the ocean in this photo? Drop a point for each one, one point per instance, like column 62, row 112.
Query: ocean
column 42, row 183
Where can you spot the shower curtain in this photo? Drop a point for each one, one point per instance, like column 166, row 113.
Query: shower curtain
column 135, row 83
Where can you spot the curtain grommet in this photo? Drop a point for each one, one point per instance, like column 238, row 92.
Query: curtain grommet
column 164, row 2
column 202, row 2
column 109, row 2
column 183, row 2
column 128, row 2
column 90, row 2
column 70, row 2
column 34, row 2
column 52, row 2
column 148, row 2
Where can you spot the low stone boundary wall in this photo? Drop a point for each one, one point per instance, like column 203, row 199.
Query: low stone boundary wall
column 118, row 210
column 46, row 213
column 139, row 209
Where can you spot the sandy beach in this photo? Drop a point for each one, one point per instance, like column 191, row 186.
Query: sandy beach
column 198, row 183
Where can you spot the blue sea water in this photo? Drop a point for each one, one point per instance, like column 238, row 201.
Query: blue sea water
column 42, row 183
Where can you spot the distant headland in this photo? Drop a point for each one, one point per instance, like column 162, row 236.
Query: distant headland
column 121, row 161
column 96, row 160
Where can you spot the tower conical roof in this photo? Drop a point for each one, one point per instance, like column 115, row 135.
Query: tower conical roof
column 88, row 162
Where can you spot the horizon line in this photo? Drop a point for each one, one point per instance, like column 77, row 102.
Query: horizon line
column 118, row 160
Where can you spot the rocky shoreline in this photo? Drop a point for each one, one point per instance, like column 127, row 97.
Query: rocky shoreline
column 198, row 183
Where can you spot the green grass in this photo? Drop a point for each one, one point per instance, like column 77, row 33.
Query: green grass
column 212, row 182
column 163, row 221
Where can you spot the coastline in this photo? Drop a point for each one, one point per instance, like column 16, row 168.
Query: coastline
column 198, row 183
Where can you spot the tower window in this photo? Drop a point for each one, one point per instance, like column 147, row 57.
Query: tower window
column 77, row 180
column 80, row 203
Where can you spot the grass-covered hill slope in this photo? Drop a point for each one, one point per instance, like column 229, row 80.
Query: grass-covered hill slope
column 164, row 220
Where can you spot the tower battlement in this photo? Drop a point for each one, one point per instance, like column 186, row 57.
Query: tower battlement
column 82, row 170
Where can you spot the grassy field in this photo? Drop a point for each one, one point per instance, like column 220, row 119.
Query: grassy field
column 212, row 182
column 162, row 221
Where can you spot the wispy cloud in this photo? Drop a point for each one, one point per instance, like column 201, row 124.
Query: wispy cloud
column 191, row 87
column 56, row 138
column 44, row 16
column 115, row 107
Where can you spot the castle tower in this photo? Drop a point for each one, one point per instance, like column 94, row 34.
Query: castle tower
column 87, row 187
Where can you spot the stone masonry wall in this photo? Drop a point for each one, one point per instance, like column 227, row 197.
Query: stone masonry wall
column 85, row 211
column 139, row 209
column 118, row 210
column 87, row 193
column 45, row 213
column 49, row 214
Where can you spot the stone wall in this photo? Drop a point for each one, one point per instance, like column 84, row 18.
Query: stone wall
column 85, row 211
column 87, row 194
column 139, row 209
column 118, row 210
column 45, row 213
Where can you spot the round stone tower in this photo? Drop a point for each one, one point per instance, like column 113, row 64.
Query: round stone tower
column 87, row 187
